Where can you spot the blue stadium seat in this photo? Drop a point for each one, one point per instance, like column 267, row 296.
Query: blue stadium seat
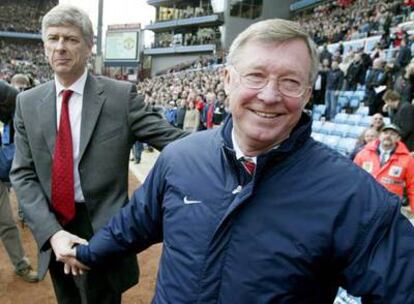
column 366, row 121
column 343, row 99
column 316, row 125
column 363, row 111
column 353, row 119
column 327, row 128
column 331, row 141
column 318, row 136
column 355, row 131
column 318, row 111
column 341, row 118
column 356, row 98
column 346, row 145
column 340, row 129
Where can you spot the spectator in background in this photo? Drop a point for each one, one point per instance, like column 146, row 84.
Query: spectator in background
column 378, row 122
column 404, row 55
column 208, row 110
column 404, row 84
column 171, row 113
column 9, row 234
column 20, row 82
column 181, row 112
column 192, row 118
column 219, row 109
column 355, row 74
column 325, row 54
column 375, row 87
column 334, row 84
column 403, row 117
column 388, row 160
column 367, row 136
column 137, row 150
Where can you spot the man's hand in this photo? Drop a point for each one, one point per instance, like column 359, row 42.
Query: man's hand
column 72, row 265
column 62, row 243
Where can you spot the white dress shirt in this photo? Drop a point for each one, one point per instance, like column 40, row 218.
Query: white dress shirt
column 75, row 114
column 239, row 154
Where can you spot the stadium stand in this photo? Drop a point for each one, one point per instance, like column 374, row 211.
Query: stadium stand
column 21, row 49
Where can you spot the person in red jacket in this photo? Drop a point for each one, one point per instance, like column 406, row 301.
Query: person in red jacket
column 390, row 162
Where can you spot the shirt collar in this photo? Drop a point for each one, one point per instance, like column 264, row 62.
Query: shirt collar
column 78, row 86
column 239, row 153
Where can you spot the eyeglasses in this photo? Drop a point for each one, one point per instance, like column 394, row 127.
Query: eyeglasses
column 287, row 86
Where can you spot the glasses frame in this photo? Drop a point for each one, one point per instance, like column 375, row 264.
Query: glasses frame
column 241, row 77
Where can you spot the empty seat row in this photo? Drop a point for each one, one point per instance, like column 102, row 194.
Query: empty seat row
column 343, row 145
column 356, row 119
column 341, row 130
column 350, row 99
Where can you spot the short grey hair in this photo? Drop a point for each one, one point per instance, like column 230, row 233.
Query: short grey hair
column 275, row 30
column 63, row 15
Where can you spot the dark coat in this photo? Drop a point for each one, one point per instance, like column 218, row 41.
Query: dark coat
column 307, row 222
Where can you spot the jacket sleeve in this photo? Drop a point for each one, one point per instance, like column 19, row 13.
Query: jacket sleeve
column 381, row 266
column 134, row 228
column 148, row 126
column 30, row 193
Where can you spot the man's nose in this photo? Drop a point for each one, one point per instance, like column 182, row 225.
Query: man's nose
column 60, row 44
column 270, row 93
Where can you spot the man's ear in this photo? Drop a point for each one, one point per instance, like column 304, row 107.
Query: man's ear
column 226, row 77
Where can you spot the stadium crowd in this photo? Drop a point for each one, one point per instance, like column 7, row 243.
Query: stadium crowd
column 199, row 37
column 15, row 19
column 333, row 22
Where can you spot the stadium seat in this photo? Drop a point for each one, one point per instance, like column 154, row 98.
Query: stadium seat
column 331, row 141
column 341, row 118
column 343, row 100
column 318, row 111
column 355, row 131
column 365, row 121
column 363, row 111
column 316, row 125
column 327, row 128
column 353, row 119
column 318, row 136
column 340, row 129
column 346, row 145
column 355, row 99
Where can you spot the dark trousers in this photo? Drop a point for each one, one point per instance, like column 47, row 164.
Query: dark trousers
column 90, row 288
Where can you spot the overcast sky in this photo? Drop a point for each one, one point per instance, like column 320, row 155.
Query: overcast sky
column 117, row 12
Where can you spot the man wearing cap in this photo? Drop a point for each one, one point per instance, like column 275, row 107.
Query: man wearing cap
column 390, row 162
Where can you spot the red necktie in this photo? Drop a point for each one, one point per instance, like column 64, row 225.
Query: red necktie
column 63, row 190
column 249, row 165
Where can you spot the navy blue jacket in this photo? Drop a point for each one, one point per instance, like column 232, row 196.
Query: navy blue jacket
column 308, row 222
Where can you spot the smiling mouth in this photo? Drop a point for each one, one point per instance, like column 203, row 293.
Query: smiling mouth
column 62, row 60
column 266, row 114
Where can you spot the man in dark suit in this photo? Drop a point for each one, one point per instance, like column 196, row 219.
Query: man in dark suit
column 70, row 172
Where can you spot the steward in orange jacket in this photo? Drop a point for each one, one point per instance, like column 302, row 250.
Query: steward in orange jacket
column 397, row 171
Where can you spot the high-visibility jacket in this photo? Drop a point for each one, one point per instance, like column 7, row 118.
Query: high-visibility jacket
column 396, row 174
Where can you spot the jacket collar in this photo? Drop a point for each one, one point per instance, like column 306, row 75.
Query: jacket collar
column 400, row 149
column 299, row 135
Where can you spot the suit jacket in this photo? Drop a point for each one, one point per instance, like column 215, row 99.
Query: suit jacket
column 113, row 118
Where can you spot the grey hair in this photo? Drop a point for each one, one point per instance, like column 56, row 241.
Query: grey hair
column 275, row 30
column 63, row 14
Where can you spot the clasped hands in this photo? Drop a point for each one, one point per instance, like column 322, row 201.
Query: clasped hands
column 63, row 243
